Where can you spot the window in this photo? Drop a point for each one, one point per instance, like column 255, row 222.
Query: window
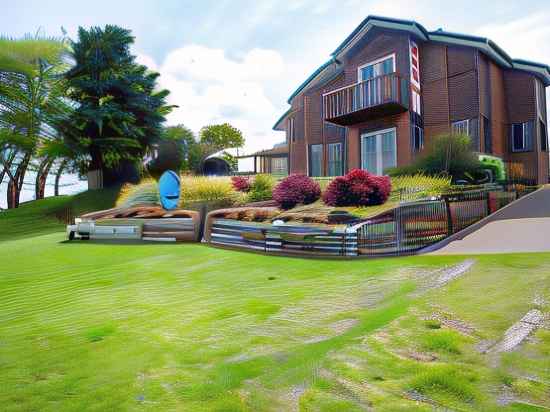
column 385, row 65
column 487, row 138
column 521, row 137
column 378, row 151
column 279, row 165
column 335, row 159
column 415, row 67
column 291, row 130
column 418, row 138
column 461, row 127
column 315, row 160
column 415, row 97
column 543, row 136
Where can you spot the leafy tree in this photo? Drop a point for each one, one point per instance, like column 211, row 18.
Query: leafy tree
column 213, row 139
column 120, row 111
column 172, row 151
column 31, row 104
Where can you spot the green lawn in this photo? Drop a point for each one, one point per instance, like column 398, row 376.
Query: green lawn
column 91, row 326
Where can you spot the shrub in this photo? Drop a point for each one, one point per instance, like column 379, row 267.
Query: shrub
column 145, row 191
column 202, row 188
column 296, row 189
column 358, row 188
column 241, row 183
column 448, row 154
column 261, row 188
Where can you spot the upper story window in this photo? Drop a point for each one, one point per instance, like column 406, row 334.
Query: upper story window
column 522, row 137
column 291, row 130
column 461, row 127
column 380, row 67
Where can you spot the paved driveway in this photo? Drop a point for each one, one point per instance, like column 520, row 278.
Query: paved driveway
column 523, row 226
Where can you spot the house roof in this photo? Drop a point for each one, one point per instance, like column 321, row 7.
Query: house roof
column 279, row 123
column 487, row 46
column 278, row 149
column 484, row 44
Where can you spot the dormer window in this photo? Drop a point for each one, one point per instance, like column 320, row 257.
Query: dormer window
column 380, row 67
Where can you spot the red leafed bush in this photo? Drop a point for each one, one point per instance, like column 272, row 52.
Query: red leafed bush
column 240, row 183
column 357, row 188
column 296, row 189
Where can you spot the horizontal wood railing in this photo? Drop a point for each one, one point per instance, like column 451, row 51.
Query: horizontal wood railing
column 390, row 88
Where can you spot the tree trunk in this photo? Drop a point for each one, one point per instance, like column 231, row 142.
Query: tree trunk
column 6, row 166
column 125, row 172
column 16, row 184
column 41, row 177
column 58, row 176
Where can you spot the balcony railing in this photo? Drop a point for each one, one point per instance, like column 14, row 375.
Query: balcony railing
column 377, row 97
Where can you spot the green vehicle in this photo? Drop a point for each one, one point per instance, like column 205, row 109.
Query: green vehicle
column 494, row 166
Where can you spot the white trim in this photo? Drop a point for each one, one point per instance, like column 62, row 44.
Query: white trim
column 460, row 122
column 359, row 79
column 378, row 147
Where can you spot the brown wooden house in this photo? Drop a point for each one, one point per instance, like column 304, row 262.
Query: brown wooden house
column 391, row 86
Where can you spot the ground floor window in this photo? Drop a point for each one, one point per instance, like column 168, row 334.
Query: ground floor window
column 418, row 138
column 543, row 136
column 522, row 137
column 279, row 165
column 378, row 151
column 335, row 159
column 316, row 160
column 487, row 138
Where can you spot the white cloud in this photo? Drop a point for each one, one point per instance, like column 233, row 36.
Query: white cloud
column 527, row 37
column 209, row 87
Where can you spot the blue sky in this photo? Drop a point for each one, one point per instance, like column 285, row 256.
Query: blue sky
column 239, row 60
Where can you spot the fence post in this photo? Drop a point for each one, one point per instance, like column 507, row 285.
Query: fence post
column 449, row 217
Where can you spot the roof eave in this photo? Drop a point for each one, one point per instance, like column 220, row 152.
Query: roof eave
column 278, row 124
column 376, row 21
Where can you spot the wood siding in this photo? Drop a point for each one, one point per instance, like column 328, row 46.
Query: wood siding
column 457, row 83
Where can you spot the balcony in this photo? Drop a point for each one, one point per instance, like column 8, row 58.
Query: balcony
column 374, row 98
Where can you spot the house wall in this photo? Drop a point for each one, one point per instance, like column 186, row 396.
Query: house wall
column 457, row 83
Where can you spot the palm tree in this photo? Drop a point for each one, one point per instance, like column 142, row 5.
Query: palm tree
column 31, row 103
column 120, row 112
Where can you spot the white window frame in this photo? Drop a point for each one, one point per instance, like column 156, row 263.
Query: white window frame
column 341, row 149
column 308, row 158
column 379, row 170
column 461, row 122
column 392, row 55
column 524, row 138
column 291, row 129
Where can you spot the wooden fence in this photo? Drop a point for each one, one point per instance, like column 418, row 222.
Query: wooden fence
column 414, row 225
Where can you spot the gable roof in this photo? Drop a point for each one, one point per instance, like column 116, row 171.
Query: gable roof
column 487, row 46
column 484, row 44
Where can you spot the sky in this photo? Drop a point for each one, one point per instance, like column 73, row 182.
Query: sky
column 238, row 61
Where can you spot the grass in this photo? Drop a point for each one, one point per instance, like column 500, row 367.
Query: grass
column 104, row 326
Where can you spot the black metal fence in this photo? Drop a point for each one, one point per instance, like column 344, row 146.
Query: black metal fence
column 414, row 225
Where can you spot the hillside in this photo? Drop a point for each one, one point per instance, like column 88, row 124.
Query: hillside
column 106, row 326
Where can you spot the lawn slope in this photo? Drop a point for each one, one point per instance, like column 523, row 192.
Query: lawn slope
column 104, row 326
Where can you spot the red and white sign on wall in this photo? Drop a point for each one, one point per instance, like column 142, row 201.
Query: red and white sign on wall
column 415, row 77
column 415, row 65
